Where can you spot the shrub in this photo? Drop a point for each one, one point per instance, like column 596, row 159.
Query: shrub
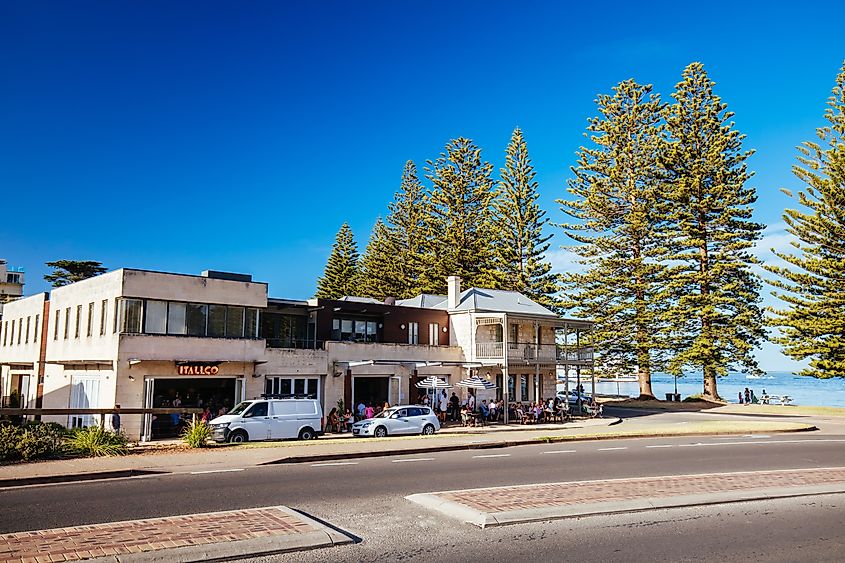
column 41, row 440
column 10, row 435
column 196, row 434
column 96, row 442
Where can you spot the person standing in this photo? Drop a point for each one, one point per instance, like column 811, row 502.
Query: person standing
column 471, row 402
column 455, row 403
column 740, row 397
column 115, row 420
column 443, row 405
column 747, row 396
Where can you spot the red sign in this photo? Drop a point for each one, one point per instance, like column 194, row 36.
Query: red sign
column 197, row 369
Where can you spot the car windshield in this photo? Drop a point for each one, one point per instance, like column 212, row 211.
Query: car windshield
column 240, row 408
column 385, row 413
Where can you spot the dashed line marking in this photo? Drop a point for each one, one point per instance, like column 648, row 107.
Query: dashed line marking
column 215, row 471
column 334, row 463
column 491, row 455
column 662, row 446
column 560, row 452
column 412, row 460
column 610, row 449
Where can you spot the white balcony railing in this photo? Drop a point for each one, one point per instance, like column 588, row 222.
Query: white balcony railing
column 489, row 350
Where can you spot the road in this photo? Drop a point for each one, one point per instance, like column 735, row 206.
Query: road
column 364, row 497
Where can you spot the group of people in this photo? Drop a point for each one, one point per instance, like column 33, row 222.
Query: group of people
column 748, row 397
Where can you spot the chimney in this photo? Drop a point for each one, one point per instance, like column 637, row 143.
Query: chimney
column 454, row 283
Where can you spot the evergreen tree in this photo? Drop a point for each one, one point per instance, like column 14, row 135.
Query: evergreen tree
column 340, row 278
column 378, row 266
column 813, row 325
column 70, row 271
column 618, row 231
column 522, row 247
column 407, row 233
column 460, row 226
column 716, row 317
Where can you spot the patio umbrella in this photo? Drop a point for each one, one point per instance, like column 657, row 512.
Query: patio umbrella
column 432, row 382
column 476, row 382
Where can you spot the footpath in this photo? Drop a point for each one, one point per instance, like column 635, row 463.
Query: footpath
column 172, row 458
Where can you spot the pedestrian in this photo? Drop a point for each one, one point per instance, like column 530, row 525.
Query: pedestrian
column 361, row 408
column 443, row 405
column 747, row 396
column 455, row 403
column 369, row 412
column 115, row 419
column 471, row 402
column 740, row 397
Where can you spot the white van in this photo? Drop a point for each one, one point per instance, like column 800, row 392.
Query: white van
column 270, row 419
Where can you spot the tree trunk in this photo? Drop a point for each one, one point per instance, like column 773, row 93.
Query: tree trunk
column 709, row 370
column 643, row 340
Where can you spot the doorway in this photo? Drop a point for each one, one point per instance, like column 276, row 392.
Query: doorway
column 220, row 394
column 370, row 391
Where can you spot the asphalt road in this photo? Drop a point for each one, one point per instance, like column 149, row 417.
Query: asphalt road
column 339, row 492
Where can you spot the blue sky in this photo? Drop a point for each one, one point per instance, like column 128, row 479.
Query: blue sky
column 182, row 136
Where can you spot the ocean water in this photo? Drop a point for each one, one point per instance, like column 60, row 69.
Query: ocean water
column 803, row 390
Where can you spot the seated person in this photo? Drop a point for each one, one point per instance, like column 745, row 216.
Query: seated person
column 464, row 415
column 494, row 411
column 485, row 411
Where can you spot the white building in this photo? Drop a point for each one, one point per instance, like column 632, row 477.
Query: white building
column 150, row 339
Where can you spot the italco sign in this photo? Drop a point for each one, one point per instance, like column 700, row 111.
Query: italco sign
column 197, row 369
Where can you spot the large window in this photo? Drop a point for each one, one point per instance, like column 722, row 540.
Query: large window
column 217, row 320
column 413, row 333
column 130, row 315
column 304, row 387
column 234, row 322
column 196, row 316
column 155, row 318
column 354, row 330
column 433, row 334
column 176, row 318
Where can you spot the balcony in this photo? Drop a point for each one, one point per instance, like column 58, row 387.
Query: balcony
column 489, row 350
column 534, row 353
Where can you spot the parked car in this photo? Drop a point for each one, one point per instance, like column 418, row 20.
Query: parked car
column 270, row 419
column 398, row 420
column 573, row 397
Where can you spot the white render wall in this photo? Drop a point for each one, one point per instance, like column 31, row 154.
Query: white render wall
column 197, row 289
column 29, row 349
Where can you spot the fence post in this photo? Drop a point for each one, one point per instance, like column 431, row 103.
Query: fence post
column 194, row 418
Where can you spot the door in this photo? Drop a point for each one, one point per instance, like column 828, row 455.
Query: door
column 283, row 421
column 415, row 415
column 400, row 422
column 147, row 429
column 85, row 394
column 239, row 390
column 256, row 421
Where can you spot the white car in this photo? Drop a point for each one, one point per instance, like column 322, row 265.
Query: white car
column 573, row 397
column 397, row 421
column 269, row 419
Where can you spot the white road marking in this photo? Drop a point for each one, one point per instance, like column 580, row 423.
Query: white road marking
column 334, row 463
column 610, row 449
column 412, row 460
column 662, row 446
column 215, row 471
column 560, row 452
column 491, row 455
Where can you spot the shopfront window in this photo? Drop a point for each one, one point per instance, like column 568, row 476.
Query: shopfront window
column 300, row 387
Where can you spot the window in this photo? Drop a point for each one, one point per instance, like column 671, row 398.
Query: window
column 5, row 330
column 217, row 320
column 196, row 316
column 234, row 322
column 305, row 387
column 176, row 318
column 104, row 312
column 155, row 317
column 434, row 334
column 251, row 323
column 514, row 333
column 523, row 387
column 35, row 332
column 130, row 316
column 20, row 329
column 12, row 335
column 56, row 326
column 257, row 410
column 67, row 321
column 78, row 320
column 91, row 318
column 26, row 338
column 413, row 333
column 354, row 330
column 116, row 312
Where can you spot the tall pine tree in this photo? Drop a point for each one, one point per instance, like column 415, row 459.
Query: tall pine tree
column 460, row 225
column 340, row 278
column 716, row 317
column 407, row 225
column 813, row 287
column 378, row 270
column 521, row 248
column 619, row 229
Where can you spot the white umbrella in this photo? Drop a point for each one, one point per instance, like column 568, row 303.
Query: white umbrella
column 476, row 382
column 432, row 382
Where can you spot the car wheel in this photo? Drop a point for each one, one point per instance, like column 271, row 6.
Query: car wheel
column 238, row 436
column 307, row 434
column 428, row 430
column 380, row 432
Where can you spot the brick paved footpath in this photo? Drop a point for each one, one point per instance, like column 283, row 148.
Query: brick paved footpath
column 526, row 497
column 84, row 542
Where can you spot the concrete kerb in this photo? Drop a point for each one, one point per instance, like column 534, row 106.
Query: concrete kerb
column 489, row 519
column 323, row 536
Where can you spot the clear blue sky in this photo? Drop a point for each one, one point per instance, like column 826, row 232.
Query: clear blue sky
column 238, row 136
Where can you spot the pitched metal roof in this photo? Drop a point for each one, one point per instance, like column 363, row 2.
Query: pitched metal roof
column 480, row 299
